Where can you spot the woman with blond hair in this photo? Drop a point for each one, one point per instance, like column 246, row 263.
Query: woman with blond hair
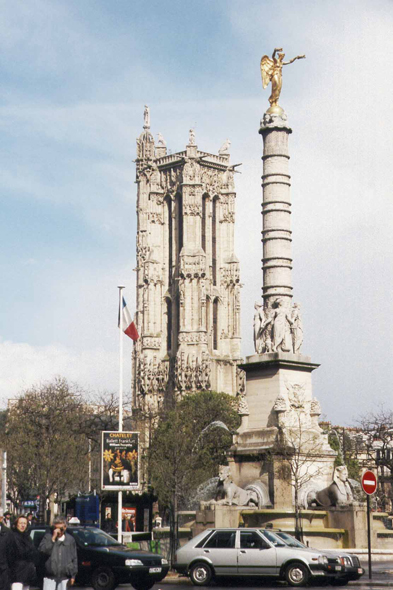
column 23, row 555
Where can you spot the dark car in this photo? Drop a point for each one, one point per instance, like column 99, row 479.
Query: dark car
column 346, row 565
column 104, row 563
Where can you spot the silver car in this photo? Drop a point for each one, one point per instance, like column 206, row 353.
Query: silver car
column 248, row 552
column 346, row 564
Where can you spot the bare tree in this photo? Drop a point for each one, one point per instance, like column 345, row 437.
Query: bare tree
column 45, row 443
column 52, row 435
column 299, row 453
column 377, row 430
column 348, row 444
column 185, row 452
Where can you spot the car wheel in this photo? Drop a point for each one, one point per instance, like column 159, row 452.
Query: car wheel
column 143, row 585
column 296, row 574
column 103, row 578
column 201, row 574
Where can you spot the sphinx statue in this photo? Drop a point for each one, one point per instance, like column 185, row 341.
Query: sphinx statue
column 338, row 493
column 229, row 493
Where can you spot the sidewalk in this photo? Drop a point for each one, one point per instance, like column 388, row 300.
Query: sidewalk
column 175, row 578
column 376, row 582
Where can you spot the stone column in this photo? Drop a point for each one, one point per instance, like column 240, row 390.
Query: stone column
column 276, row 211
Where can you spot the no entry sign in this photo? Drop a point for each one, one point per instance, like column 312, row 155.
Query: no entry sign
column 369, row 483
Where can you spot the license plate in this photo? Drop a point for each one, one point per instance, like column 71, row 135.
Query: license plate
column 360, row 570
column 154, row 570
column 338, row 568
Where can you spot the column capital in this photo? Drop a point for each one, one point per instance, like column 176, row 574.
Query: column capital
column 272, row 121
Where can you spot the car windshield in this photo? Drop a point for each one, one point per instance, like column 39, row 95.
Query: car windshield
column 291, row 541
column 274, row 540
column 94, row 538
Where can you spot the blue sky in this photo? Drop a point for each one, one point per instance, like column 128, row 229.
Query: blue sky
column 75, row 78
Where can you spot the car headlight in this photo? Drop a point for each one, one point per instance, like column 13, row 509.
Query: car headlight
column 133, row 562
column 164, row 561
column 323, row 559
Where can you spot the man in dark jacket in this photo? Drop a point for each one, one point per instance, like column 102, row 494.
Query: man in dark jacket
column 61, row 565
column 5, row 581
column 7, row 520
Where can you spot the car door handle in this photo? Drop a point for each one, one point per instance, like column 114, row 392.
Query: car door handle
column 206, row 551
column 242, row 551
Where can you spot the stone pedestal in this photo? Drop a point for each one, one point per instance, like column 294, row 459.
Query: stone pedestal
column 271, row 376
column 217, row 516
column 354, row 520
column 279, row 401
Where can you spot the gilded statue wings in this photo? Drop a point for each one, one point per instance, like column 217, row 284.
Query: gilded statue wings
column 267, row 66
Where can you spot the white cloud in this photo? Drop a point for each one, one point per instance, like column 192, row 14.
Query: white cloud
column 23, row 365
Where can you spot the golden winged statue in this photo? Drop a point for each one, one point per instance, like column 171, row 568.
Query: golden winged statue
column 271, row 71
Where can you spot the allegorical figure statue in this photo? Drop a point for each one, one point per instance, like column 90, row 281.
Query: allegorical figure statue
column 262, row 325
column 191, row 137
column 296, row 328
column 271, row 71
column 257, row 325
column 146, row 117
column 161, row 141
column 282, row 323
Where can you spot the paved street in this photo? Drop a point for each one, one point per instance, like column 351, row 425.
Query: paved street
column 382, row 578
column 377, row 584
column 385, row 582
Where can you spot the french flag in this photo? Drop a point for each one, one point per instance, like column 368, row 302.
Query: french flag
column 128, row 325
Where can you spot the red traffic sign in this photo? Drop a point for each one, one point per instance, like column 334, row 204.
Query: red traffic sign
column 369, row 482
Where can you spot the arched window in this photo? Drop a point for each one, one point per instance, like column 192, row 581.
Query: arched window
column 203, row 224
column 214, row 240
column 215, row 324
column 170, row 245
column 169, row 325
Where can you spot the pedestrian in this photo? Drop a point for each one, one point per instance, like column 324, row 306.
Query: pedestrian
column 7, row 519
column 5, row 583
column 61, row 565
column 29, row 517
column 23, row 556
column 2, row 525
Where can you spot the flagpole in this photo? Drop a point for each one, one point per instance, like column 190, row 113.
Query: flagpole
column 120, row 494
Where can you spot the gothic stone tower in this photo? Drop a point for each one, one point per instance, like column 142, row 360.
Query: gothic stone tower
column 188, row 285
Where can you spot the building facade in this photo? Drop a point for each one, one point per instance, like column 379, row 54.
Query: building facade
column 188, row 280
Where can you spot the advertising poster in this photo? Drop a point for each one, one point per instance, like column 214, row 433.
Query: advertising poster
column 120, row 461
column 129, row 519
